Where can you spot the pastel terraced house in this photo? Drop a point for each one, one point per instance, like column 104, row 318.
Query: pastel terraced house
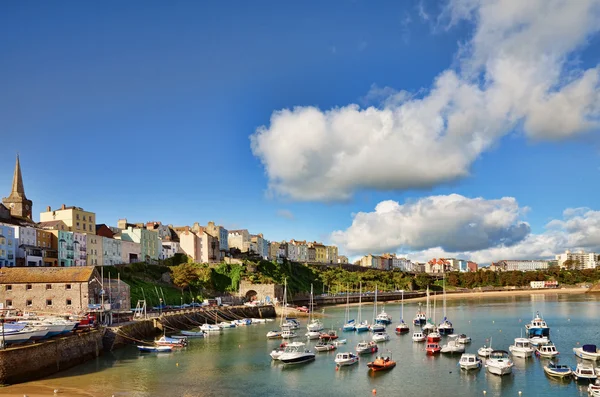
column 76, row 218
column 8, row 246
column 148, row 239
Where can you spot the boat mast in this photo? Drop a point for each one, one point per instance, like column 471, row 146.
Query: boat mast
column 444, row 288
column 347, row 304
column 360, row 303
column 284, row 300
column 402, row 312
column 311, row 306
column 375, row 305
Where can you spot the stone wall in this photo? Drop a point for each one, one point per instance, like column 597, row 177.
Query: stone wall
column 35, row 361
column 261, row 292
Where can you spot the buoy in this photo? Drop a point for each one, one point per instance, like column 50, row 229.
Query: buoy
column 55, row 391
column 500, row 330
column 337, row 368
column 177, row 364
column 374, row 391
column 484, row 392
column 520, row 392
column 493, row 321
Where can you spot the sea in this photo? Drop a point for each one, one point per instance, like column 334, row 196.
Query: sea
column 237, row 362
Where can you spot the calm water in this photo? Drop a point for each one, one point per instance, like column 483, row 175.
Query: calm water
column 237, row 362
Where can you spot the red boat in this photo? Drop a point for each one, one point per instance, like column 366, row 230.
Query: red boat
column 433, row 337
column 328, row 336
column 433, row 348
column 381, row 364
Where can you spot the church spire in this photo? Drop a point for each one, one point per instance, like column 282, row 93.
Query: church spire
column 17, row 185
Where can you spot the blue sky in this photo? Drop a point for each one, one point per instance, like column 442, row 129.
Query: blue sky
column 144, row 110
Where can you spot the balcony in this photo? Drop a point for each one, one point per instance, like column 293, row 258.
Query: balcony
column 83, row 249
column 70, row 256
column 70, row 247
column 83, row 257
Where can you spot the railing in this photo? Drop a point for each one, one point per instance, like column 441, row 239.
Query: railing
column 70, row 247
column 70, row 256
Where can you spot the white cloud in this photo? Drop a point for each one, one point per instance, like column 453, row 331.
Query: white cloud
column 439, row 226
column 453, row 223
column 516, row 70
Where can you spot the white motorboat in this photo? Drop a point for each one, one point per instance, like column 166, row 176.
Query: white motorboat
column 340, row 342
column 193, row 334
column 377, row 328
column 585, row 372
column 383, row 318
column 452, row 346
column 315, row 325
column 420, row 317
column 275, row 354
column 557, row 370
column 288, row 334
column 210, row 328
column 174, row 342
column 464, row 339
column 499, row 363
column 275, row 334
column 346, row 359
column 469, row 361
column 291, row 323
column 366, row 347
column 313, row 334
column 324, row 346
column 587, row 352
column 258, row 320
column 226, row 325
column 155, row 349
column 594, row 388
column 296, row 355
column 485, row 351
column 548, row 350
column 521, row 348
column 381, row 337
column 418, row 337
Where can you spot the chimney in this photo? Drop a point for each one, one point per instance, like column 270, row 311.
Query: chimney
column 63, row 207
column 48, row 209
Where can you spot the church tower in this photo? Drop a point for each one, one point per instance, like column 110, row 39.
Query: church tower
column 17, row 202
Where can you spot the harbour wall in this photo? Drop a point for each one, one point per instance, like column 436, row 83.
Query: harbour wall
column 143, row 330
column 29, row 362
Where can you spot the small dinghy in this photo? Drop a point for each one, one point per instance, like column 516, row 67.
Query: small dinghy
column 324, row 347
column 587, row 352
column 193, row 334
column 558, row 370
column 548, row 350
column 154, row 349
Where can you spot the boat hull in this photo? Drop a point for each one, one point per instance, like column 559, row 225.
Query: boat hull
column 578, row 351
column 346, row 363
column 297, row 360
column 376, row 368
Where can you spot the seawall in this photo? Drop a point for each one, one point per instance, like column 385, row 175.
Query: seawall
column 144, row 330
column 34, row 361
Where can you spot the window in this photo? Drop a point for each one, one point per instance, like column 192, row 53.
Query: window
column 28, row 286
column 48, row 286
column 77, row 216
column 29, row 302
column 48, row 302
column 68, row 302
column 84, row 217
column 78, row 225
column 9, row 303
column 9, row 243
column 8, row 288
column 67, row 286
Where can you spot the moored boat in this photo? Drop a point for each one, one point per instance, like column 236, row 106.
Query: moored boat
column 380, row 337
column 548, row 350
column 420, row 317
column 296, row 355
column 313, row 335
column 275, row 334
column 538, row 331
column 346, row 359
column 433, row 348
column 521, row 348
column 288, row 334
column 594, row 388
column 193, row 334
column 155, row 349
column 587, row 352
column 173, row 342
column 328, row 336
column 584, row 372
column 418, row 337
column 469, row 361
column 340, row 342
column 365, row 347
column 452, row 346
column 383, row 318
column 275, row 354
column 324, row 346
column 499, row 363
column 381, row 363
column 557, row 370
column 464, row 339
column 211, row 328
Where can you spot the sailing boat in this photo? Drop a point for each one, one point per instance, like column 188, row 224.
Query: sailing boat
column 276, row 334
column 402, row 328
column 433, row 335
column 375, row 327
column 362, row 326
column 314, row 326
column 420, row 318
column 445, row 327
column 349, row 324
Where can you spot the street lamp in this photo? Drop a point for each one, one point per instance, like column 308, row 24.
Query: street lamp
column 160, row 306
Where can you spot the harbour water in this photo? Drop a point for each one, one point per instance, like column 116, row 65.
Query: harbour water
column 237, row 361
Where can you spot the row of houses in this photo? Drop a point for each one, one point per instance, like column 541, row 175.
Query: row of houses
column 306, row 252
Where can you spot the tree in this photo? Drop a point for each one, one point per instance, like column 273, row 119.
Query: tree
column 453, row 279
column 184, row 275
column 423, row 280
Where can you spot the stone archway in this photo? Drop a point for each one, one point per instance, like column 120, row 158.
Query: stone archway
column 251, row 295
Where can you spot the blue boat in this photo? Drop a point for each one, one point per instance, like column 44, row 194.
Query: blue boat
column 349, row 326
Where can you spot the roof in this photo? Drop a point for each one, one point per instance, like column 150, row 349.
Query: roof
column 20, row 275
column 51, row 223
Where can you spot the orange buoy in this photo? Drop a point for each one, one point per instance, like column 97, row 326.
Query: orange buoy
column 374, row 391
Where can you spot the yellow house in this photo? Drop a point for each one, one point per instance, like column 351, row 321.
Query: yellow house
column 320, row 252
column 76, row 218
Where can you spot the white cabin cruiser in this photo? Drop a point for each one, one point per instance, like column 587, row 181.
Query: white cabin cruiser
column 346, row 359
column 499, row 363
column 469, row 361
column 548, row 350
column 296, row 355
column 587, row 352
column 418, row 337
column 452, row 346
column 521, row 348
column 381, row 337
column 585, row 373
